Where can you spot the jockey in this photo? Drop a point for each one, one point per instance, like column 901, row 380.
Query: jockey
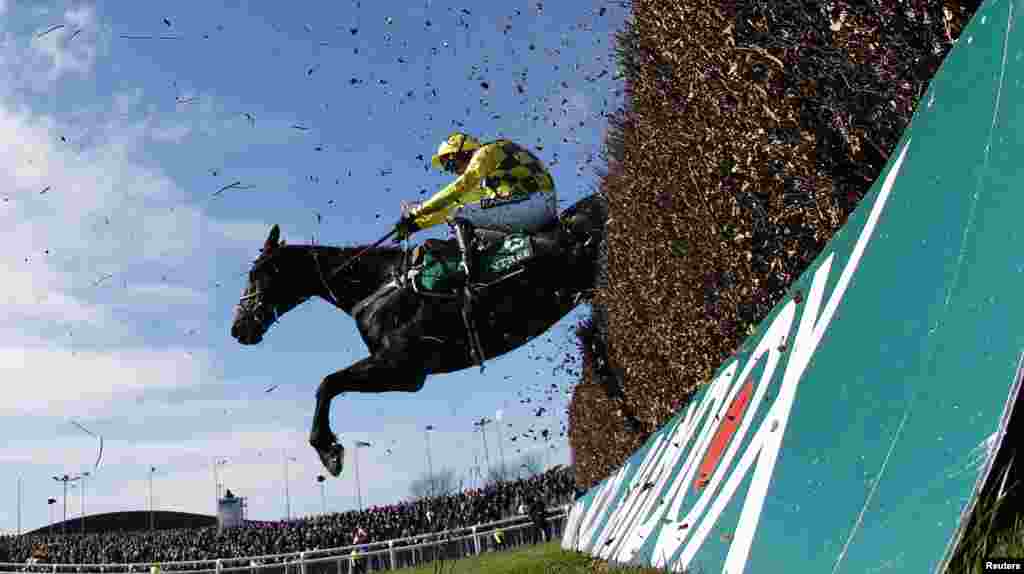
column 501, row 187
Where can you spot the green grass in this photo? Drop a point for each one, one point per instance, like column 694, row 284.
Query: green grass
column 997, row 531
column 546, row 558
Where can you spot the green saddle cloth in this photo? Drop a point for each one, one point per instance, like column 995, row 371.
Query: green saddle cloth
column 442, row 274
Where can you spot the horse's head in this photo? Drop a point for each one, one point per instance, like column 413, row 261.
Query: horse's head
column 271, row 292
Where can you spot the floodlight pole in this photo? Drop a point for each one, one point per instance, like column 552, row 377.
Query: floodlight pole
column 430, row 466
column 152, row 517
column 65, row 479
column 84, row 476
column 482, row 423
column 359, row 489
column 501, row 451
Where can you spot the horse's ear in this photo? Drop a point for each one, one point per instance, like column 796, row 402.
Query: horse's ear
column 274, row 239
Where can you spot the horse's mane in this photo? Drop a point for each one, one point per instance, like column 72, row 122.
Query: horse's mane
column 290, row 248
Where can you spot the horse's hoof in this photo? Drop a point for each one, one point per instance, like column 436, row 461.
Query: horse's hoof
column 332, row 457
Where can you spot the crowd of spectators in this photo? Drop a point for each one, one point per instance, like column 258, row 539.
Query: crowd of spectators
column 463, row 509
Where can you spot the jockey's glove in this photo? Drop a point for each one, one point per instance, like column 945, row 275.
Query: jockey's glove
column 405, row 227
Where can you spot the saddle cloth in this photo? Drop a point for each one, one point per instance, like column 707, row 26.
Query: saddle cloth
column 435, row 264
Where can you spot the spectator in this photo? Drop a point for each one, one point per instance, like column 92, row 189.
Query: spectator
column 409, row 518
column 359, row 537
column 540, row 523
column 499, row 539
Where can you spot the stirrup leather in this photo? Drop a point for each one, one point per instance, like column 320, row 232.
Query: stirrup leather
column 464, row 237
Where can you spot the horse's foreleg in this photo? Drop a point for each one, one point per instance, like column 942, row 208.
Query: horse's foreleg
column 375, row 374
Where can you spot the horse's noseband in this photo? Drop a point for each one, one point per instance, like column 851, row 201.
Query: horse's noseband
column 256, row 309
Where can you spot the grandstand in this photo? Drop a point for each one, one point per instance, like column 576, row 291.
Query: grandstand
column 462, row 523
column 128, row 521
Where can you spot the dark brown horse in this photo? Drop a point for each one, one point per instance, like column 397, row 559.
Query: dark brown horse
column 411, row 335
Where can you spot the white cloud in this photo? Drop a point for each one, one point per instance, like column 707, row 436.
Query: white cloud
column 41, row 379
column 162, row 294
column 37, row 61
column 38, row 295
column 70, row 217
column 127, row 102
column 171, row 133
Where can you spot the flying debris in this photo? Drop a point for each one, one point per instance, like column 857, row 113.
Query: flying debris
column 168, row 22
column 45, row 189
column 99, row 455
column 298, row 127
column 235, row 185
column 272, row 387
column 50, row 29
column 102, row 279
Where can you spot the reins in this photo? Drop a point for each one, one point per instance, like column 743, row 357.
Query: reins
column 344, row 266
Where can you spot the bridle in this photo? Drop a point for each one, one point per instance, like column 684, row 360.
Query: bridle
column 256, row 309
column 275, row 313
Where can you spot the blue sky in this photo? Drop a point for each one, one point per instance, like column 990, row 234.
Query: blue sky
column 121, row 269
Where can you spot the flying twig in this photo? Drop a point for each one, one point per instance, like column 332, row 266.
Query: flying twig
column 235, row 185
column 102, row 279
column 150, row 37
column 51, row 29
column 99, row 456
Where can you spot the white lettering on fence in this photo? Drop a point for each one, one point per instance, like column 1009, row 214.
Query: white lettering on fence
column 643, row 511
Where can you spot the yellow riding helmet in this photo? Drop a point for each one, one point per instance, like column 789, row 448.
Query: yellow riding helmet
column 456, row 143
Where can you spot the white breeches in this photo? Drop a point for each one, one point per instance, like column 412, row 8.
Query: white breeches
column 525, row 215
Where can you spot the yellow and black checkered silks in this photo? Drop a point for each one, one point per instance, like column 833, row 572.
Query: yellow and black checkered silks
column 497, row 170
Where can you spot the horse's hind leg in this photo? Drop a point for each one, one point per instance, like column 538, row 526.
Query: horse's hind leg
column 374, row 374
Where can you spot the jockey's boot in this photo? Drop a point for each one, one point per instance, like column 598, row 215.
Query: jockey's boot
column 464, row 238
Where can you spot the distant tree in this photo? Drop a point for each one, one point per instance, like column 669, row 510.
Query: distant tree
column 499, row 473
column 534, row 462
column 441, row 483
column 419, row 487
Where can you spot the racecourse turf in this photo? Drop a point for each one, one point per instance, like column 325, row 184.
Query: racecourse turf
column 546, row 558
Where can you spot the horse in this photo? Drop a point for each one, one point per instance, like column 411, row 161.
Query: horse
column 411, row 334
